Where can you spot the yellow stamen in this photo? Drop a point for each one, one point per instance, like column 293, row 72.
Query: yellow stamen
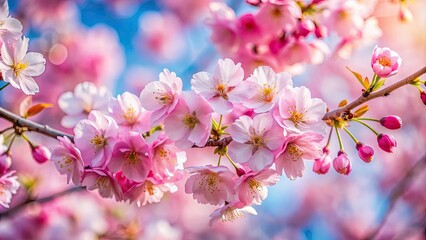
column 222, row 90
column 385, row 61
column 294, row 151
column 19, row 67
column 98, row 142
column 296, row 117
column 190, row 120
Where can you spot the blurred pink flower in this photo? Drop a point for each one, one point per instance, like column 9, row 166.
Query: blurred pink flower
column 254, row 141
column 67, row 159
column 225, row 87
column 18, row 67
column 296, row 148
column 95, row 137
column 275, row 17
column 190, row 122
column 9, row 185
column 130, row 156
column 385, row 62
column 269, row 87
column 252, row 187
column 322, row 164
column 78, row 104
column 10, row 28
column 211, row 184
column 161, row 96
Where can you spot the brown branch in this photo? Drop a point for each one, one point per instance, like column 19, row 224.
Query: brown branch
column 22, row 205
column 398, row 191
column 382, row 93
column 19, row 121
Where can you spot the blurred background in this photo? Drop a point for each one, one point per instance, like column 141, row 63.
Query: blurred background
column 124, row 44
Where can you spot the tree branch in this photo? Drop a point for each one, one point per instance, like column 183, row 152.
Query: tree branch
column 17, row 208
column 19, row 121
column 382, row 93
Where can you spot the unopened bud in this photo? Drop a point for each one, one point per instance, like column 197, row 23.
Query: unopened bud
column 366, row 153
column 386, row 142
column 5, row 162
column 41, row 154
column 391, row 122
column 423, row 97
column 342, row 164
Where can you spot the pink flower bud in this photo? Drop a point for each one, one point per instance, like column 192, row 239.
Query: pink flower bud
column 391, row 122
column 320, row 31
column 240, row 172
column 41, row 153
column 386, row 142
column 365, row 152
column 5, row 163
column 306, row 26
column 423, row 97
column 323, row 164
column 405, row 14
column 385, row 62
column 254, row 2
column 342, row 164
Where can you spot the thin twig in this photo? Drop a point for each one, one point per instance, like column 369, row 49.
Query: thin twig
column 49, row 198
column 382, row 93
column 398, row 191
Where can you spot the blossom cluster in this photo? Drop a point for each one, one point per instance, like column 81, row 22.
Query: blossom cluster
column 132, row 148
column 287, row 35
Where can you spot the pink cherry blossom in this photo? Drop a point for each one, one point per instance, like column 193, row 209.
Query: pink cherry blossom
column 102, row 180
column 130, row 156
column 10, row 28
column 296, row 149
column 251, row 187
column 161, row 96
column 342, row 164
column 269, row 87
column 41, row 154
column 248, row 29
column 164, row 156
column 67, row 160
column 95, row 137
column 9, row 185
column 225, row 87
column 149, row 191
column 127, row 111
column 298, row 112
column 211, row 184
column 231, row 212
column 275, row 17
column 19, row 67
column 322, row 164
column 344, row 17
column 190, row 122
column 254, row 140
column 78, row 104
column 385, row 62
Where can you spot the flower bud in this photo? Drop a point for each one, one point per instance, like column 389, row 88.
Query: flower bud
column 5, row 162
column 41, row 153
column 405, row 14
column 342, row 164
column 423, row 97
column 306, row 26
column 320, row 31
column 323, row 164
column 386, row 142
column 391, row 122
column 385, row 62
column 240, row 172
column 365, row 152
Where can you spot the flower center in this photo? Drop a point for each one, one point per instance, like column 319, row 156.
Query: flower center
column 130, row 115
column 295, row 116
column 67, row 162
column 102, row 182
column 131, row 157
column 98, row 142
column 267, row 93
column 294, row 151
column 222, row 90
column 276, row 12
column 231, row 214
column 17, row 68
column 385, row 61
column 165, row 98
column 254, row 184
column 210, row 182
column 190, row 120
column 149, row 187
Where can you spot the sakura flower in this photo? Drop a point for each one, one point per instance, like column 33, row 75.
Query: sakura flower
column 210, row 184
column 150, row 191
column 161, row 96
column 78, row 104
column 322, row 164
column 385, row 62
column 164, row 157
column 269, row 87
column 279, row 16
column 130, row 156
column 231, row 212
column 10, row 28
column 298, row 147
column 67, row 159
column 102, row 180
column 251, row 187
column 344, row 17
column 254, row 140
column 127, row 111
column 225, row 87
column 19, row 67
column 95, row 137
column 9, row 185
column 298, row 112
column 190, row 121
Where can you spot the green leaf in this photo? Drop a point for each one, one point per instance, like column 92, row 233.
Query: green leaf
column 379, row 84
column 358, row 76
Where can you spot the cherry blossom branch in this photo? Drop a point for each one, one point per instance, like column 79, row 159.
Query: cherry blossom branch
column 20, row 122
column 49, row 198
column 398, row 191
column 382, row 93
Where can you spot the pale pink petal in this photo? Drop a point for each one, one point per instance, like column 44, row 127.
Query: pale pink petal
column 36, row 64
